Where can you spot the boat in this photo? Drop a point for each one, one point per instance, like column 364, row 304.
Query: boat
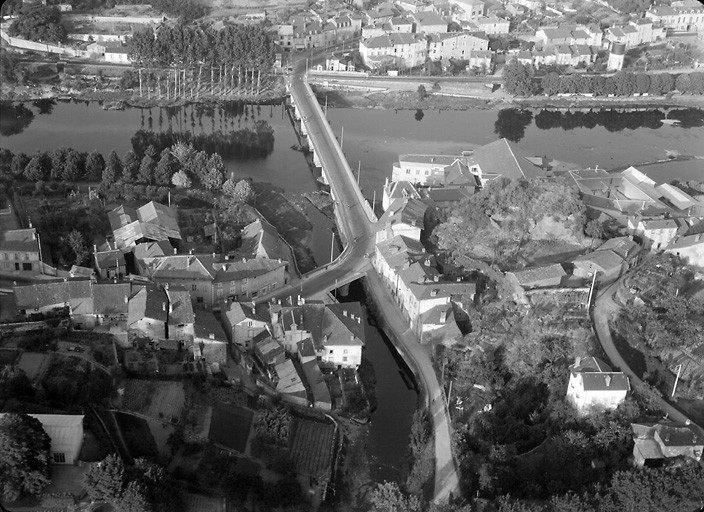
column 671, row 122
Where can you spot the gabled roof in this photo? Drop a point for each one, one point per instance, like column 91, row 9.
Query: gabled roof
column 148, row 302
column 153, row 249
column 24, row 240
column 180, row 306
column 153, row 221
column 447, row 195
column 109, row 259
column 400, row 251
column 335, row 332
column 605, row 260
column 207, row 327
column 504, row 158
column 392, row 39
column 425, row 18
column 621, row 245
column 439, row 160
column 290, row 382
column 237, row 312
column 316, row 382
column 408, row 210
column 75, row 292
column 261, row 240
column 536, row 275
column 597, row 376
column 111, row 298
column 269, row 350
column 351, row 314
column 400, row 189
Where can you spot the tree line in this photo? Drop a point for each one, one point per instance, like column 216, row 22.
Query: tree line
column 249, row 46
column 38, row 22
column 520, row 80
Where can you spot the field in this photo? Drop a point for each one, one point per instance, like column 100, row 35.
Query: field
column 230, row 426
column 34, row 365
column 156, row 399
column 312, row 447
column 223, row 8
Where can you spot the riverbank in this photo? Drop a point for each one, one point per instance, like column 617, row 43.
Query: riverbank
column 459, row 96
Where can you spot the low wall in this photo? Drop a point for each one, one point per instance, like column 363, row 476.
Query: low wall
column 138, row 20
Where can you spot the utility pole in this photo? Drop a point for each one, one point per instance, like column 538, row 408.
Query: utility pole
column 326, row 105
column 332, row 245
column 359, row 170
column 374, row 200
column 449, row 394
column 677, row 378
column 342, row 135
column 591, row 291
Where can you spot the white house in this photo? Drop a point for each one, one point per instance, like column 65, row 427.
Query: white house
column 397, row 49
column 429, row 22
column 66, row 434
column 492, row 25
column 117, row 54
column 397, row 190
column 656, row 234
column 456, row 45
column 593, row 385
column 690, row 248
column 467, row 9
column 405, row 217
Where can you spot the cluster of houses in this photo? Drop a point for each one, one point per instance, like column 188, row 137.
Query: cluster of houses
column 141, row 287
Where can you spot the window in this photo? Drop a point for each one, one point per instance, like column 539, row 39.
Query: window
column 59, row 457
column 199, row 300
column 194, row 287
column 26, row 266
column 17, row 266
column 344, row 351
column 344, row 359
column 331, row 351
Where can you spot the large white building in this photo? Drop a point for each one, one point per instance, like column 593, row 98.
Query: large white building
column 66, row 434
column 396, row 49
column 594, row 386
column 686, row 18
column 456, row 45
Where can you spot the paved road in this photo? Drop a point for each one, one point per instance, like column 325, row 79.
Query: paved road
column 357, row 227
column 605, row 307
column 446, row 476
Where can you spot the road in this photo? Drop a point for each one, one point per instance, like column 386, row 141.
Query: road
column 605, row 307
column 356, row 224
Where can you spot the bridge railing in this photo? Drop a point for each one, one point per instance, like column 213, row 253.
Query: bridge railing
column 319, row 111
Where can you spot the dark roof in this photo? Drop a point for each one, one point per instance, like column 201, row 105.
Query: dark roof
column 24, row 240
column 306, row 348
column 148, row 302
column 354, row 319
column 43, row 294
column 206, row 326
column 109, row 259
column 316, row 383
column 180, row 307
column 505, row 158
column 111, row 298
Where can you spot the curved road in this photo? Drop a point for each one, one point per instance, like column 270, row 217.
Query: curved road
column 605, row 307
column 356, row 223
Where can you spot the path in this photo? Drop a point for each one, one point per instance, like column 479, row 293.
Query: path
column 605, row 307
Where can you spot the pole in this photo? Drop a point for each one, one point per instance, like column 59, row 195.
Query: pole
column 449, row 394
column 359, row 170
column 374, row 200
column 677, row 378
column 342, row 135
column 591, row 292
column 332, row 245
column 326, row 105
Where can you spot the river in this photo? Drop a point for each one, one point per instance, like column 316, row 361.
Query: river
column 374, row 138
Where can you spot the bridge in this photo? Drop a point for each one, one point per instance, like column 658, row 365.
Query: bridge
column 356, row 223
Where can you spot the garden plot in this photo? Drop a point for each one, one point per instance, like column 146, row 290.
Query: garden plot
column 155, row 399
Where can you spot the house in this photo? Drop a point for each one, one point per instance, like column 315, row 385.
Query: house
column 687, row 17
column 403, row 217
column 305, row 349
column 117, row 54
column 151, row 222
column 397, row 190
column 147, row 250
column 605, row 264
column 656, row 234
column 261, row 240
column 402, row 24
column 111, row 303
column 20, row 252
column 211, row 279
column 96, row 49
column 690, row 248
column 394, row 49
column 625, row 247
column 480, row 59
column 501, row 158
column 568, row 34
column 396, row 253
column 209, row 339
column 665, row 439
column 593, row 385
column 72, row 296
column 78, row 271
column 422, row 169
column 269, row 351
column 491, row 25
column 290, row 384
column 243, row 321
column 429, row 22
column 456, row 45
column 66, row 434
column 109, row 264
column 443, row 197
column 148, row 312
column 180, row 323
column 540, row 277
column 467, row 9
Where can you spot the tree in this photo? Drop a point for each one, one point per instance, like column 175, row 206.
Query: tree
column 58, row 162
column 625, row 83
column 9, row 68
column 181, row 180
column 568, row 84
column 75, row 166
column 146, row 170
column 422, row 93
column 112, row 171
column 642, row 83
column 39, row 22
column 214, row 173
column 34, row 171
column 667, row 83
column 594, row 229
column 134, row 498
column 518, row 78
column 103, row 481
column 387, row 497
column 655, row 85
column 24, row 456
column 550, row 83
column 78, row 245
column 95, row 164
column 19, row 162
column 14, row 383
column 165, row 168
column 130, row 164
column 240, row 192
column 183, row 153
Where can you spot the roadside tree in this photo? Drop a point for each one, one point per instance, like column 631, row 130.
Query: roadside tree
column 24, row 456
column 39, row 22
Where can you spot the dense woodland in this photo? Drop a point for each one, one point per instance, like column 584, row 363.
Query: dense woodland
column 520, row 80
column 247, row 46
column 40, row 23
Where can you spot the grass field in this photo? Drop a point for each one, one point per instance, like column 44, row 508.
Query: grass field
column 156, row 399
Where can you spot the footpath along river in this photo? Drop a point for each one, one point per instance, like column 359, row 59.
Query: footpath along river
column 374, row 138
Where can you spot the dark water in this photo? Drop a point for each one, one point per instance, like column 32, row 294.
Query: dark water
column 391, row 422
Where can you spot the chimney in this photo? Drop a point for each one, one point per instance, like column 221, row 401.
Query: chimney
column 577, row 362
column 253, row 312
column 459, row 279
column 163, row 306
column 171, row 307
column 434, row 292
column 211, row 336
column 190, row 251
column 607, row 378
column 95, row 248
column 175, row 250
column 427, row 262
column 213, row 255
column 359, row 319
column 436, row 278
column 344, row 312
column 126, row 299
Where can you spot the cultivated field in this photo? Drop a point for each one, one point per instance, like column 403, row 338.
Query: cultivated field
column 163, row 400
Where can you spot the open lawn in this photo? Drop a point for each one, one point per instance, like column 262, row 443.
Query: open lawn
column 230, row 426
column 156, row 399
column 34, row 365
